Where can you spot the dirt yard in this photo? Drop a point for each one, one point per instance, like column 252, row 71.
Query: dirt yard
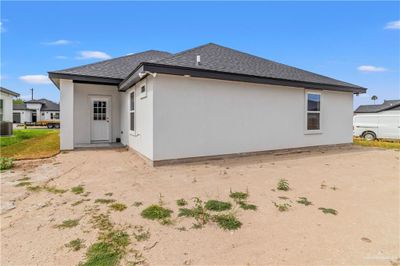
column 360, row 184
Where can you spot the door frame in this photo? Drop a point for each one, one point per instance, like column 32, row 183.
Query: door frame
column 90, row 101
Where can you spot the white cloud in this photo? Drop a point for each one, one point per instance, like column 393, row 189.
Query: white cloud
column 93, row 55
column 61, row 57
column 59, row 42
column 35, row 79
column 393, row 25
column 367, row 68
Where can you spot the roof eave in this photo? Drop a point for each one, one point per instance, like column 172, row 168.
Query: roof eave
column 133, row 78
column 55, row 77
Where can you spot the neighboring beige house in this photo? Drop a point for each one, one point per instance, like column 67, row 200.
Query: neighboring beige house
column 206, row 101
column 6, row 104
column 36, row 110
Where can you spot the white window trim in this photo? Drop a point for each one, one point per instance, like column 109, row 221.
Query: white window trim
column 311, row 131
column 132, row 132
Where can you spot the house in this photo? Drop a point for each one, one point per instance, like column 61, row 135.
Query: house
column 6, row 104
column 36, row 110
column 388, row 106
column 203, row 102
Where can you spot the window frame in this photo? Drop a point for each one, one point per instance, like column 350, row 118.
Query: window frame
column 143, row 94
column 132, row 111
column 306, row 112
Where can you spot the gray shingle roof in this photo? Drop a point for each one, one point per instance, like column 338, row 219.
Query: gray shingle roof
column 213, row 58
column 118, row 68
column 219, row 58
column 47, row 105
column 376, row 108
column 2, row 89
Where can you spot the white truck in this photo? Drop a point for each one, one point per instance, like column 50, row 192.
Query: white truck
column 384, row 125
column 381, row 121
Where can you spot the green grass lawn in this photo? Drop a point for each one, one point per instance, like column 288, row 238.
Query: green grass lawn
column 30, row 144
column 386, row 144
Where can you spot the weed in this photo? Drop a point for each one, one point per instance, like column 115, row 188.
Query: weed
column 101, row 222
column 283, row 185
column 323, row 185
column 227, row 221
column 55, row 190
column 137, row 203
column 6, row 163
column 24, row 179
column 160, row 200
column 197, row 226
column 77, row 190
column 199, row 212
column 104, row 201
column 34, row 189
column 215, row 205
column 118, row 206
column 334, row 188
column 283, row 197
column 181, row 202
column 166, row 221
column 68, row 224
column 102, row 254
column 328, row 211
column 283, row 207
column 141, row 234
column 109, row 194
column 23, row 184
column 75, row 244
column 246, row 206
column 117, row 238
column 79, row 202
column 86, row 194
column 239, row 196
column 181, row 228
column 304, row 201
column 156, row 212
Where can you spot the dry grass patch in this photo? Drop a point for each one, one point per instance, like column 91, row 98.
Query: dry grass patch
column 385, row 144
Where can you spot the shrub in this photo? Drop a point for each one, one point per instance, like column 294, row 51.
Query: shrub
column 77, row 190
column 283, row 185
column 22, row 184
column 227, row 221
column 68, row 224
column 283, row 207
column 156, row 212
column 181, row 202
column 55, row 190
column 328, row 211
column 6, row 163
column 239, row 196
column 34, row 188
column 304, row 201
column 102, row 253
column 104, row 201
column 246, row 206
column 118, row 206
column 215, row 205
column 75, row 244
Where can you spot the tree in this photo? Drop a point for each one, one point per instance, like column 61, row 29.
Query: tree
column 18, row 101
column 374, row 98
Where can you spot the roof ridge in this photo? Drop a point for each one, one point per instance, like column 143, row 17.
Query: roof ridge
column 185, row 51
column 275, row 62
column 111, row 59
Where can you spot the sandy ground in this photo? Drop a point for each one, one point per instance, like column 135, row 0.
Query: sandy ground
column 365, row 231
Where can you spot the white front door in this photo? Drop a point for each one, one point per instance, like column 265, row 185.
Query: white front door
column 100, row 118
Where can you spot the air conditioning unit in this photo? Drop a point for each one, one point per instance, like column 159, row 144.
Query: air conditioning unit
column 6, row 128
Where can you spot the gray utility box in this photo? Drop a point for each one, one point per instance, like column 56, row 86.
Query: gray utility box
column 6, row 128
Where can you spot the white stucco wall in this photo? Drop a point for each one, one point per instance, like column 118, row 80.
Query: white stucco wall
column 26, row 115
column 203, row 117
column 142, row 139
column 82, row 111
column 7, row 106
column 66, row 114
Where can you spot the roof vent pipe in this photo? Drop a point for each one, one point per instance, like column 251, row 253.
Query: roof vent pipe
column 197, row 60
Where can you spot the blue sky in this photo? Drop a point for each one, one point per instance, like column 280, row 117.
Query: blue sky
column 357, row 42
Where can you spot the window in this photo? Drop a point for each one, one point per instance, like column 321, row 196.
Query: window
column 56, row 115
column 132, row 111
column 143, row 92
column 313, row 113
column 99, row 110
column 51, row 115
